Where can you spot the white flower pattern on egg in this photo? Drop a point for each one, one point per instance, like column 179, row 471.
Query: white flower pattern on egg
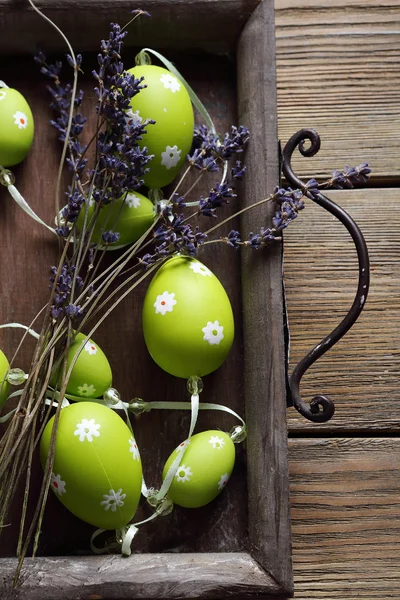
column 58, row 484
column 200, row 269
column 134, row 449
column 113, row 500
column 223, row 481
column 20, row 119
column 171, row 156
column 90, row 348
column 184, row 444
column 133, row 117
column 170, row 82
column 86, row 390
column 165, row 303
column 213, row 333
column 216, row 442
column 86, row 429
column 183, row 473
column 3, row 94
column 132, row 201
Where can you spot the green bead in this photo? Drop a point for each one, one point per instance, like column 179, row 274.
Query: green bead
column 16, row 376
column 16, row 127
column 238, row 434
column 166, row 101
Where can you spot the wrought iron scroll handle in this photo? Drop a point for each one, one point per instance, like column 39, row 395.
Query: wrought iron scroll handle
column 321, row 408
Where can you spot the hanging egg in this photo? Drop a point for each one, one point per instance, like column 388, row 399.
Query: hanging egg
column 16, row 127
column 91, row 375
column 204, row 470
column 166, row 101
column 187, row 318
column 130, row 216
column 97, row 471
column 4, row 385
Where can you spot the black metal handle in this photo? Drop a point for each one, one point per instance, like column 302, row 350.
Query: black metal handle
column 321, row 408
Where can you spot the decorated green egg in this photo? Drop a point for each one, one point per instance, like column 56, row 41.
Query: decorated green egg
column 130, row 216
column 16, row 127
column 204, row 470
column 187, row 318
column 4, row 385
column 97, row 471
column 91, row 375
column 166, row 101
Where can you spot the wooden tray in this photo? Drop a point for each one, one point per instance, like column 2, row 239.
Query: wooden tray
column 238, row 546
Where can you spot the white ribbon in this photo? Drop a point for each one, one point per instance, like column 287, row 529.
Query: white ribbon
column 20, row 326
column 25, row 206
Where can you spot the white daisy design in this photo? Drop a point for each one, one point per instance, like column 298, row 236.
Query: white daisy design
column 90, row 347
column 200, row 269
column 87, row 390
column 3, row 94
column 134, row 449
column 184, row 473
column 58, row 484
column 223, row 481
column 133, row 118
column 213, row 333
column 171, row 156
column 183, row 445
column 113, row 500
column 164, row 303
column 170, row 82
column 87, row 429
column 132, row 201
column 20, row 119
column 216, row 442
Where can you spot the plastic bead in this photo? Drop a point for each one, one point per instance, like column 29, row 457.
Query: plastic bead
column 112, row 396
column 238, row 434
column 16, row 376
column 139, row 406
column 195, row 385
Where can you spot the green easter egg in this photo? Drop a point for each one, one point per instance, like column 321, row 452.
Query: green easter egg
column 97, row 471
column 204, row 470
column 16, row 127
column 166, row 101
column 187, row 318
column 130, row 216
column 91, row 375
column 5, row 387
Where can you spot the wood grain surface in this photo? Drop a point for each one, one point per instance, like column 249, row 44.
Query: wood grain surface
column 345, row 496
column 205, row 575
column 265, row 393
column 360, row 373
column 337, row 71
column 216, row 26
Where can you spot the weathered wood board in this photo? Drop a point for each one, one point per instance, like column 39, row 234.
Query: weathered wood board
column 345, row 497
column 250, row 535
column 360, row 373
column 337, row 72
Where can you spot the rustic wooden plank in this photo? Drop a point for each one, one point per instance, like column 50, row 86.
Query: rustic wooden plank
column 345, row 498
column 177, row 576
column 222, row 528
column 337, row 72
column 361, row 372
column 262, row 303
column 85, row 22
